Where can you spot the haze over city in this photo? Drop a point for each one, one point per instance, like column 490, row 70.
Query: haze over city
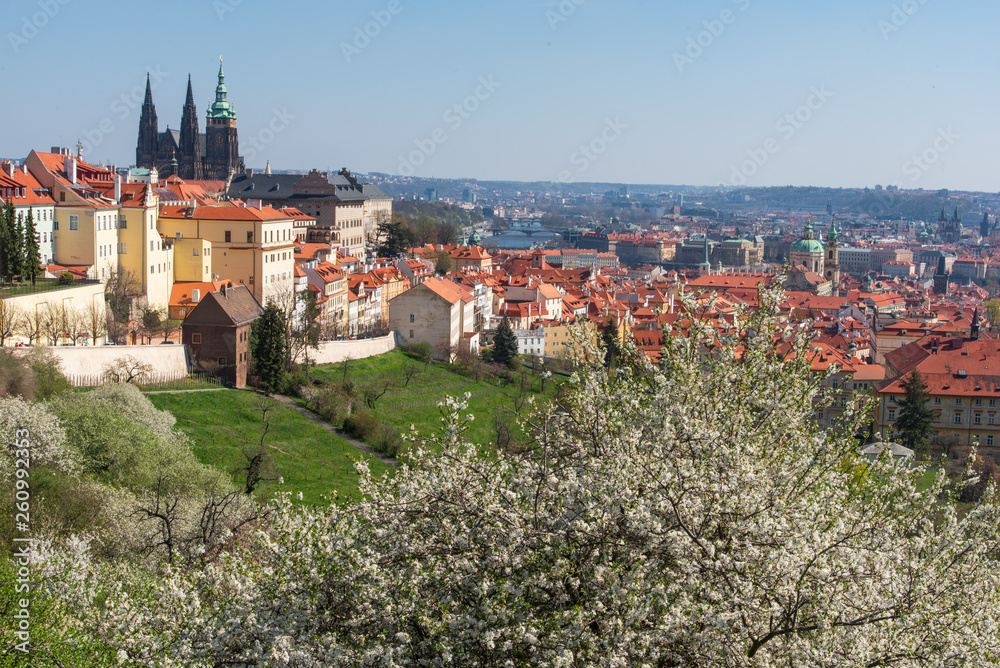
column 727, row 92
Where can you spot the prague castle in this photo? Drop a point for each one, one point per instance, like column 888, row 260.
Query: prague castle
column 189, row 153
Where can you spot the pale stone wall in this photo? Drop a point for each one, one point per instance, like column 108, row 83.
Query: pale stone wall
column 331, row 352
column 82, row 364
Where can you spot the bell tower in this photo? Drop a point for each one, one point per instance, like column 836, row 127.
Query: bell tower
column 222, row 151
column 832, row 263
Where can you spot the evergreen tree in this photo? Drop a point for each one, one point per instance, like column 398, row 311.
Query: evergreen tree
column 18, row 243
column 13, row 238
column 32, row 257
column 395, row 237
column 268, row 349
column 916, row 418
column 504, row 343
column 612, row 345
column 7, row 226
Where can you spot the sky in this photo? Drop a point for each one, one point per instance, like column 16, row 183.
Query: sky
column 849, row 93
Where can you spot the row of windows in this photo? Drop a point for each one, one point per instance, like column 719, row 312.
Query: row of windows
column 977, row 418
column 159, row 268
column 195, row 251
column 273, row 257
column 937, row 400
column 37, row 215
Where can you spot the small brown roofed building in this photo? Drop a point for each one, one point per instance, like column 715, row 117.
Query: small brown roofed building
column 217, row 332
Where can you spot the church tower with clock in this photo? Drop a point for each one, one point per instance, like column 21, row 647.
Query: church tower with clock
column 222, row 146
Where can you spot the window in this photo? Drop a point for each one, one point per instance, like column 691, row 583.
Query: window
column 892, row 415
column 958, row 417
column 250, row 237
column 55, row 226
column 411, row 318
column 194, row 251
column 993, row 402
column 196, row 338
column 223, row 361
column 989, row 440
column 977, row 418
column 74, row 222
column 229, row 236
column 979, row 402
column 152, row 269
column 991, row 418
column 122, row 222
column 958, row 401
column 151, row 247
column 411, row 333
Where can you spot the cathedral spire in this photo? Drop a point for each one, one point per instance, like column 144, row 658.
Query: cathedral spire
column 190, row 96
column 222, row 107
column 149, row 92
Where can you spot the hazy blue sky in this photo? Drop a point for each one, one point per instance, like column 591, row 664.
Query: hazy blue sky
column 887, row 82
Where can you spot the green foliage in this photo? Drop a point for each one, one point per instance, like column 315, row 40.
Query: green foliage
column 16, row 378
column 47, row 370
column 125, row 441
column 992, row 307
column 331, row 404
column 395, row 237
column 422, row 351
column 8, row 247
column 268, row 348
column 915, row 422
column 443, row 264
column 612, row 345
column 66, row 278
column 32, row 257
column 504, row 343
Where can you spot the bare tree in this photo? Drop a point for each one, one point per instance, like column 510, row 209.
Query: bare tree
column 151, row 319
column 376, row 391
column 11, row 317
column 95, row 316
column 121, row 291
column 54, row 322
column 258, row 466
column 32, row 324
column 76, row 324
column 127, row 369
column 163, row 510
column 410, row 369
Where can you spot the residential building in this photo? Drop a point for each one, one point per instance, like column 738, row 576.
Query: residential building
column 436, row 311
column 217, row 332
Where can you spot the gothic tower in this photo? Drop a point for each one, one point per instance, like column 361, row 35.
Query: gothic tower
column 941, row 278
column 984, row 227
column 149, row 131
column 190, row 142
column 222, row 155
column 833, row 258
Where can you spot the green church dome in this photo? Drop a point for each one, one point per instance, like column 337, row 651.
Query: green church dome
column 807, row 246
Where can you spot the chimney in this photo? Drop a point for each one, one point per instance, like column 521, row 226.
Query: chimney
column 249, row 171
column 9, row 168
column 195, row 296
column 118, row 188
column 69, row 163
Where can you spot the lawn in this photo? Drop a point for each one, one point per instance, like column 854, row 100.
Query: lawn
column 310, row 459
column 416, row 404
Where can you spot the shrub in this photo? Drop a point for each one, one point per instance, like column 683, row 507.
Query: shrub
column 66, row 278
column 422, row 351
column 363, row 426
column 389, row 442
column 47, row 370
column 331, row 405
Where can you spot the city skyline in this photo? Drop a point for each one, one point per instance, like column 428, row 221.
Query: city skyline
column 736, row 92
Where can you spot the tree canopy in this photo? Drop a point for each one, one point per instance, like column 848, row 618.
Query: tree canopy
column 915, row 422
column 268, row 349
column 504, row 343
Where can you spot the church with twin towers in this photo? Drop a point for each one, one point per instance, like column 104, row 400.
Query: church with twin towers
column 188, row 153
